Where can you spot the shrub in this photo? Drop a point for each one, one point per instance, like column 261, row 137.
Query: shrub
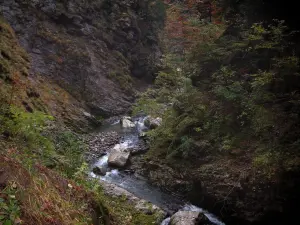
column 71, row 149
column 242, row 89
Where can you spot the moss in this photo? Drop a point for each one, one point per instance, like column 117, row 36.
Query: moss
column 124, row 213
column 12, row 56
column 124, row 80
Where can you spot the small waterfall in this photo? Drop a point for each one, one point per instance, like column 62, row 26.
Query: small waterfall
column 102, row 162
column 140, row 124
column 110, row 174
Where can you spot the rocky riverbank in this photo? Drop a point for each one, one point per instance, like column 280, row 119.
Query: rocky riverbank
column 216, row 184
column 115, row 162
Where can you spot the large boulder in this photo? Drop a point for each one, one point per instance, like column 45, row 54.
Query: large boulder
column 189, row 218
column 118, row 159
column 184, row 218
column 99, row 170
column 126, row 122
column 203, row 220
column 152, row 122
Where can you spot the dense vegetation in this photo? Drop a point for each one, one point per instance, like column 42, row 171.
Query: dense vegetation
column 228, row 95
column 231, row 94
column 227, row 92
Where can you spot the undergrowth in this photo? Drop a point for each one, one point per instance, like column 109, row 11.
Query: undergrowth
column 227, row 93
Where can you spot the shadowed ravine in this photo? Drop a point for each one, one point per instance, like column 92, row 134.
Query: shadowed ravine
column 137, row 185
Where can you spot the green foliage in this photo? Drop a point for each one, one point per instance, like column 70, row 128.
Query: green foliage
column 184, row 148
column 239, row 94
column 124, row 80
column 9, row 206
column 70, row 149
column 155, row 12
column 168, row 80
column 26, row 128
column 63, row 150
column 266, row 160
column 272, row 37
column 227, row 84
column 82, row 172
column 167, row 86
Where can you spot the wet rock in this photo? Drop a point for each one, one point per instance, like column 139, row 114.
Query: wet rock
column 118, row 159
column 91, row 119
column 98, row 170
column 152, row 123
column 140, row 148
column 143, row 135
column 126, row 122
column 140, row 204
column 184, row 218
column 146, row 207
column 203, row 220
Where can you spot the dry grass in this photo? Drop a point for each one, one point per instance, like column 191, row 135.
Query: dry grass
column 45, row 197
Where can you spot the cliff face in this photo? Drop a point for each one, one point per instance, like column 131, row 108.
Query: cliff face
column 90, row 48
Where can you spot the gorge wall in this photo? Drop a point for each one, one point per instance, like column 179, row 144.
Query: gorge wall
column 96, row 50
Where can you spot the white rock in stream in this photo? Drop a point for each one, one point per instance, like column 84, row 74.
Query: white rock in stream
column 118, row 159
column 126, row 122
column 152, row 122
column 184, row 218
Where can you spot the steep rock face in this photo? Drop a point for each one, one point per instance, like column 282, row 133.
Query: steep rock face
column 89, row 47
column 33, row 92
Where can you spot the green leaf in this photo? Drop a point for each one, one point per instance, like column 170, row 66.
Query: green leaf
column 8, row 222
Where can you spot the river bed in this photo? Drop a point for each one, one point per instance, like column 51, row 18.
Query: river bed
column 135, row 184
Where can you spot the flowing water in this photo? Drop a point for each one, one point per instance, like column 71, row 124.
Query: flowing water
column 137, row 185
